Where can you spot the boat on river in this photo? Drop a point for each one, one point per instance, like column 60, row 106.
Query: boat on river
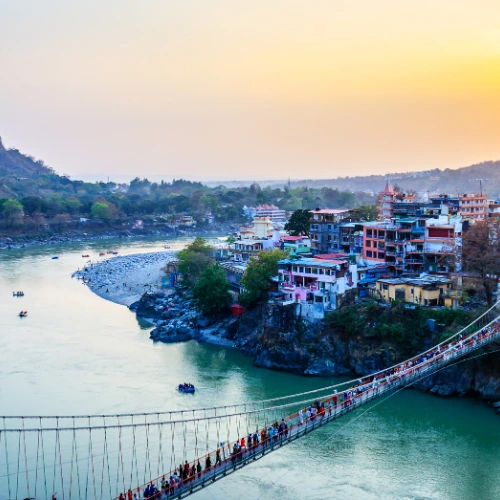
column 18, row 294
column 187, row 388
column 86, row 256
column 55, row 257
column 23, row 314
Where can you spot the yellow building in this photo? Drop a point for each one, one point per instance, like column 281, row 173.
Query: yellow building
column 425, row 291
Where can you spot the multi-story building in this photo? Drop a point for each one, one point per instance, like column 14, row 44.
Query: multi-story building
column 414, row 245
column 325, row 230
column 274, row 213
column 474, row 206
column 244, row 249
column 469, row 206
column 385, row 201
column 494, row 209
column 317, row 282
column 351, row 237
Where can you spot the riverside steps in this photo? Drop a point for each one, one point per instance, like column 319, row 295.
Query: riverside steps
column 174, row 454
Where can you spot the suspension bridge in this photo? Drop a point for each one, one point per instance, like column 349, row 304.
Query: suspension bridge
column 174, row 454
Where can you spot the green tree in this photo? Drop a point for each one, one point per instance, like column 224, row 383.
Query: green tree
column 12, row 211
column 104, row 211
column 299, row 223
column 257, row 277
column 193, row 260
column 73, row 205
column 211, row 291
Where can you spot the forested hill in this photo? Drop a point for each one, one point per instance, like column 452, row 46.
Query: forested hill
column 19, row 173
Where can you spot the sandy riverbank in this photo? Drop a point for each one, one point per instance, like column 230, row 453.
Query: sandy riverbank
column 124, row 279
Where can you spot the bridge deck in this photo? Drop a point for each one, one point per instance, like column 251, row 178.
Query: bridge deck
column 297, row 430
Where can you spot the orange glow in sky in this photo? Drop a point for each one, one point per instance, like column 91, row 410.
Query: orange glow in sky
column 226, row 89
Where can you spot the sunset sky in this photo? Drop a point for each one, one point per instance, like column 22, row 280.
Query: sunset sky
column 237, row 89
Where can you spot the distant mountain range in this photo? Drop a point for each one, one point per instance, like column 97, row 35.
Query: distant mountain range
column 484, row 175
column 21, row 175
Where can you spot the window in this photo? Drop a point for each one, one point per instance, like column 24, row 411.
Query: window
column 301, row 269
column 380, row 255
column 380, row 286
column 386, row 287
column 411, row 291
column 294, row 269
column 369, row 253
column 368, row 243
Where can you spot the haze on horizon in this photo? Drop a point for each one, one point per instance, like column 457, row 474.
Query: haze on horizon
column 240, row 90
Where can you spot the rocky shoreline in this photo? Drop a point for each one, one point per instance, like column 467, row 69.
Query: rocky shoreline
column 125, row 279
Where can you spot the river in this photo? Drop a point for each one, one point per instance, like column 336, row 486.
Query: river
column 77, row 354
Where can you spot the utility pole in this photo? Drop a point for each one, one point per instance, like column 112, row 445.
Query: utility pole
column 481, row 184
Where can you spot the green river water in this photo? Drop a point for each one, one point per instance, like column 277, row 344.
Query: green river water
column 79, row 354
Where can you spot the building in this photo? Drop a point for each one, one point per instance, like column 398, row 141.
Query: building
column 414, row 245
column 494, row 209
column 425, row 291
column 474, row 206
column 316, row 284
column 244, row 249
column 274, row 213
column 470, row 206
column 351, row 237
column 325, row 230
column 262, row 227
column 296, row 246
column 385, row 201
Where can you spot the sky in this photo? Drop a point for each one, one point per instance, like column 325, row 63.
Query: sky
column 260, row 89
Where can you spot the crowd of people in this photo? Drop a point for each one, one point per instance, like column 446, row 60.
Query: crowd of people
column 336, row 402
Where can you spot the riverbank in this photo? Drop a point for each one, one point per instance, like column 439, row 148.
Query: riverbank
column 81, row 236
column 124, row 279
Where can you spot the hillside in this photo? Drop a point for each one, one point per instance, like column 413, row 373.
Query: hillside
column 465, row 179
column 22, row 175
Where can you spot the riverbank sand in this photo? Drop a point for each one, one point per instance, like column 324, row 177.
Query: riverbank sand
column 124, row 279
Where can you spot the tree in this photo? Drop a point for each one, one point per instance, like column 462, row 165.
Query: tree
column 32, row 204
column 193, row 260
column 299, row 223
column 257, row 277
column 104, row 211
column 481, row 254
column 365, row 212
column 211, row 291
column 12, row 210
column 73, row 205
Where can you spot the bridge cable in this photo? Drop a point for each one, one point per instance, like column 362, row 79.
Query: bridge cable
column 26, row 462
column 18, row 459
column 120, row 458
column 134, row 456
column 357, row 417
column 60, row 463
column 7, row 458
column 43, row 460
column 71, row 467
column 36, row 464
